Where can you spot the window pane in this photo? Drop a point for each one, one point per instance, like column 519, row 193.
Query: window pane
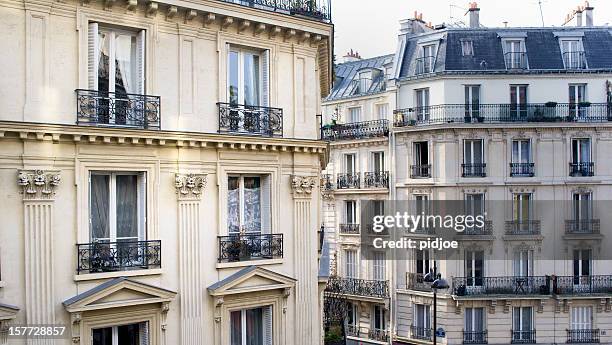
column 103, row 67
column 233, row 204
column 252, row 204
column 128, row 335
column 102, row 336
column 251, row 79
column 127, row 207
column 236, row 328
column 233, row 77
column 99, row 207
column 126, row 71
column 254, row 327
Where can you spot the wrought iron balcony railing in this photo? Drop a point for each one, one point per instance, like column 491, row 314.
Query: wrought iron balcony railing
column 424, row 64
column 582, row 226
column 582, row 169
column 350, row 228
column 327, row 182
column 516, row 60
column 486, row 230
column 314, row 9
column 367, row 333
column 420, row 171
column 523, row 227
column 582, row 336
column 522, row 169
column 503, row 113
column 580, row 285
column 378, row 334
column 348, row 181
column 355, row 130
column 353, row 330
column 421, row 333
column 116, row 109
column 246, row 246
column 98, row 257
column 475, row 337
column 250, row 120
column 415, row 281
column 474, row 170
column 574, row 60
column 378, row 179
column 509, row 285
column 523, row 337
column 358, row 287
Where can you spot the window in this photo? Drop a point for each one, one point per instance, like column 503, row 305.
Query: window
column 467, row 48
column 365, row 81
column 582, row 265
column 581, row 318
column 379, row 322
column 521, row 151
column 354, row 115
column 421, row 203
column 351, row 211
column 251, row 326
column 522, row 324
column 132, row 334
column 349, row 163
column 521, row 207
column 475, row 204
column 582, row 206
column 577, row 99
column 472, row 102
column 351, row 263
column 378, row 161
column 514, row 54
column 423, row 262
column 117, row 206
column 352, row 315
column 422, row 321
column 518, row 101
column 474, row 326
column 474, row 267
column 473, row 158
column 581, row 150
column 420, row 153
column 382, row 111
column 523, row 263
column 573, row 54
column 427, row 58
column 422, row 104
column 248, row 77
column 378, row 265
column 248, row 204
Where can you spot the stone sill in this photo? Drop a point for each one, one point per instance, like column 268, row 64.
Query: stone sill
column 106, row 275
column 249, row 263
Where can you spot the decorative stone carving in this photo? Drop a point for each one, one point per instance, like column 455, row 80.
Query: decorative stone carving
column 38, row 184
column 302, row 185
column 492, row 306
column 189, row 186
column 327, row 195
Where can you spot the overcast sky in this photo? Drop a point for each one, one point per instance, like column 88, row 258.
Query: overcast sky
column 371, row 27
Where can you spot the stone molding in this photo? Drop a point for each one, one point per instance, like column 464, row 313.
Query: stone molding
column 189, row 186
column 303, row 185
column 38, row 184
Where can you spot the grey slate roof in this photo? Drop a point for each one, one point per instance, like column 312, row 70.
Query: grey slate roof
column 542, row 46
column 103, row 286
column 346, row 73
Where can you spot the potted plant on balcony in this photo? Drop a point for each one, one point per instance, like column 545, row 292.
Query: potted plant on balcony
column 480, row 119
column 235, row 248
column 584, row 104
column 550, row 104
column 461, row 290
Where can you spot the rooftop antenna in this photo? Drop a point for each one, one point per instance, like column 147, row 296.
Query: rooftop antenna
column 541, row 12
column 452, row 19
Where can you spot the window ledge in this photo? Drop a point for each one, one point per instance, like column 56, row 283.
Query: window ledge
column 249, row 263
column 106, row 275
column 2, row 283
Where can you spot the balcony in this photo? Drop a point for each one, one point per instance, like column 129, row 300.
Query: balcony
column 355, row 130
column 486, row 230
column 474, row 170
column 582, row 336
column 114, row 109
column 98, row 257
column 476, row 337
column 502, row 113
column 415, row 281
column 246, row 247
column 420, row 171
column 424, row 65
column 509, row 285
column 350, row 229
column 348, row 181
column 250, row 120
column 367, row 333
column 516, row 60
column 574, row 60
column 523, row 337
column 584, row 169
column 378, row 179
column 582, row 285
column 522, row 169
column 582, row 226
column 523, row 227
column 312, row 9
column 327, row 182
column 421, row 333
column 358, row 287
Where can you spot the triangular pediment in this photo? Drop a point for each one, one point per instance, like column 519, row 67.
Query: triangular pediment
column 8, row 312
column 251, row 279
column 119, row 292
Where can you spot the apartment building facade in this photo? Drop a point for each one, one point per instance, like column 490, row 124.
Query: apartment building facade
column 159, row 162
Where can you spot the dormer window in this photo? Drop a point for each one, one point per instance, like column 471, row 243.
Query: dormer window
column 573, row 54
column 514, row 54
column 467, row 48
column 427, row 57
column 365, row 81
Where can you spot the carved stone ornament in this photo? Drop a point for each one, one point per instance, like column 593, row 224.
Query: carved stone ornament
column 189, row 186
column 38, row 184
column 302, row 185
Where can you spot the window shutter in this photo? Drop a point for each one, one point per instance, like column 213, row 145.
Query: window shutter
column 266, row 209
column 267, row 325
column 93, row 56
column 140, row 61
column 142, row 206
column 265, row 78
column 144, row 333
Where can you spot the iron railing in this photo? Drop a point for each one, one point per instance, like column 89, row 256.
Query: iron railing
column 582, row 226
column 378, row 334
column 579, row 285
column 364, row 332
column 355, row 130
column 117, row 109
column 420, row 171
column 250, row 120
column 421, row 333
column 582, row 169
column 581, row 336
column 523, row 227
column 475, row 337
column 350, row 228
column 574, row 60
column 522, row 169
column 523, row 337
column 97, row 257
column 474, row 170
column 508, row 285
column 327, row 182
column 377, row 179
column 516, row 60
column 486, row 230
column 503, row 113
column 358, row 287
column 348, row 181
column 245, row 247
column 424, row 64
column 353, row 330
column 415, row 281
column 314, row 9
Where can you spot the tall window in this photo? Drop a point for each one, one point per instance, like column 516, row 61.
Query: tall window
column 523, row 263
column 352, row 315
column 117, row 206
column 577, row 97
column 251, row 326
column 248, row 204
column 467, row 48
column 354, row 115
column 474, row 204
column 518, row 101
column 581, row 150
column 351, row 263
column 382, row 111
column 522, row 324
column 472, row 102
column 422, row 320
column 131, row 334
column 428, row 54
column 423, row 262
column 378, row 161
column 420, row 151
column 473, row 152
column 349, row 163
column 515, row 54
column 521, row 206
column 474, row 267
column 582, row 206
column 422, row 104
column 379, row 322
column 378, row 265
column 365, row 81
column 521, row 151
column 582, row 266
column 573, row 54
column 351, row 211
column 581, row 318
column 474, row 326
column 248, row 76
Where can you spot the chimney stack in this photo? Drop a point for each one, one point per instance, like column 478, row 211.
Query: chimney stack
column 578, row 16
column 588, row 14
column 474, row 15
column 351, row 56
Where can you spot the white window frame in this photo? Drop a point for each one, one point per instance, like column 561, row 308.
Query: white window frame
column 509, row 43
column 379, row 265
column 517, row 206
column 579, row 48
column 470, row 261
column 267, row 332
column 422, row 103
column 353, row 114
column 581, row 318
column 352, row 167
column 264, row 63
column 379, row 315
column 579, row 152
column 424, row 320
column 523, row 262
column 472, row 143
column 353, row 205
column 351, row 263
column 266, row 215
column 471, row 326
column 578, row 198
column 520, row 312
column 115, row 333
column 378, row 157
column 382, row 111
column 520, row 143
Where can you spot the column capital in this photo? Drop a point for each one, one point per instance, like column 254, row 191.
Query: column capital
column 303, row 185
column 38, row 184
column 189, row 186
